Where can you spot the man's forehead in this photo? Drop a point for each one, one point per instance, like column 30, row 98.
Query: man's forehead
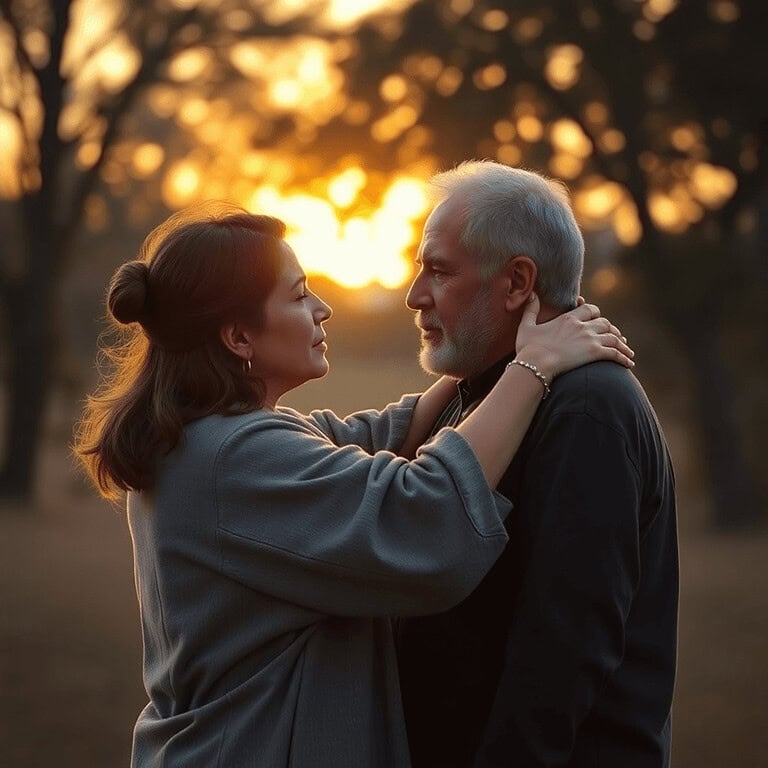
column 451, row 209
column 441, row 237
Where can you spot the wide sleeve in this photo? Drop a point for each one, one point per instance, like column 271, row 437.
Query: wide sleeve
column 372, row 430
column 568, row 629
column 347, row 533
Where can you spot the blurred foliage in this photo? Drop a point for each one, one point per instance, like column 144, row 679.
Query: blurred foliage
column 333, row 114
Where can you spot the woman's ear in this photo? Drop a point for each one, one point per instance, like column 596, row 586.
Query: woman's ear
column 520, row 274
column 237, row 339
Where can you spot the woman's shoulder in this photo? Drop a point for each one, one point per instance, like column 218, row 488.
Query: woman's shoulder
column 220, row 433
column 221, row 427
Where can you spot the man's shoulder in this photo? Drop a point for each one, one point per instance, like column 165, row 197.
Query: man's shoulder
column 603, row 390
column 596, row 378
column 600, row 399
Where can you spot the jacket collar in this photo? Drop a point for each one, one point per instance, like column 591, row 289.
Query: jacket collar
column 473, row 389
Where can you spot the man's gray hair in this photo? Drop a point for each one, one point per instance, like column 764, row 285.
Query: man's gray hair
column 511, row 212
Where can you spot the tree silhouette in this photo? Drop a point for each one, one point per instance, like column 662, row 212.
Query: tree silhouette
column 63, row 106
column 655, row 114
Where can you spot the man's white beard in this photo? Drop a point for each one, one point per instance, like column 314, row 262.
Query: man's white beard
column 465, row 354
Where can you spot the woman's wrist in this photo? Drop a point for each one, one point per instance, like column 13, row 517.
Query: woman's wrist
column 543, row 380
column 541, row 358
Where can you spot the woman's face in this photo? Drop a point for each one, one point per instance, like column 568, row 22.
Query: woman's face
column 290, row 347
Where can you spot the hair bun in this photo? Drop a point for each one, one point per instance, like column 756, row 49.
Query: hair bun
column 127, row 296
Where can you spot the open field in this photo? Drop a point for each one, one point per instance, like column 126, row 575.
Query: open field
column 70, row 650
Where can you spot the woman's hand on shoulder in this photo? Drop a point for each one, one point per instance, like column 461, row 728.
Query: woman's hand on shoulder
column 570, row 340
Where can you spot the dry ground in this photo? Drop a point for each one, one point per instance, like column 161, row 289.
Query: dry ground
column 70, row 649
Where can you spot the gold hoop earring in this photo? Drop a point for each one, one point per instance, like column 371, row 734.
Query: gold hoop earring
column 247, row 367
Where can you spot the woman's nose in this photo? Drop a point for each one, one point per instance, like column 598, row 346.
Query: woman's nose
column 323, row 311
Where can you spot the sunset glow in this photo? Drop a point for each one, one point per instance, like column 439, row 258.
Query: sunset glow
column 357, row 251
column 249, row 139
column 335, row 14
column 346, row 13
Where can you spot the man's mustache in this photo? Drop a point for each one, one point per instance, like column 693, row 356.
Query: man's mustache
column 427, row 322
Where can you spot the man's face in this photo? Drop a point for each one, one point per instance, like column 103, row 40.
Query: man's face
column 461, row 318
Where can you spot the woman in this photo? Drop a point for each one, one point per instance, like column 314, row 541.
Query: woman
column 270, row 547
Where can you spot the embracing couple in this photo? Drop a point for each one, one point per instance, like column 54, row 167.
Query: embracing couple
column 482, row 575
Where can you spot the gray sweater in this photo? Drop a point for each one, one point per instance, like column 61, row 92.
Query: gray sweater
column 268, row 559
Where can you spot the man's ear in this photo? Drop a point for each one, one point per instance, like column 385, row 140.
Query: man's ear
column 237, row 339
column 520, row 274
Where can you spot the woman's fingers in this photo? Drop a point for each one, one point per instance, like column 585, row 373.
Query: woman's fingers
column 574, row 338
column 603, row 326
column 531, row 312
column 586, row 312
column 616, row 332
column 616, row 349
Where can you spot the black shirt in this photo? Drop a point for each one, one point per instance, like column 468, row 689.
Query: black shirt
column 565, row 653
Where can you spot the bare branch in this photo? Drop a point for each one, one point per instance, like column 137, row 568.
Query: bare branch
column 21, row 51
column 103, row 40
column 51, row 84
column 146, row 74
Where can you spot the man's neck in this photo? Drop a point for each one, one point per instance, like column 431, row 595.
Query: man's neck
column 547, row 313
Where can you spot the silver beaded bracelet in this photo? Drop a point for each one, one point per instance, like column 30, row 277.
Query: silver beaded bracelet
column 535, row 371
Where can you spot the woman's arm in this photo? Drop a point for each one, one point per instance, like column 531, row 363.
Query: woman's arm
column 497, row 426
column 348, row 533
column 371, row 430
column 383, row 430
column 430, row 405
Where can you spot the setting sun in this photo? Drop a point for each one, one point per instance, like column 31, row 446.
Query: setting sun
column 356, row 251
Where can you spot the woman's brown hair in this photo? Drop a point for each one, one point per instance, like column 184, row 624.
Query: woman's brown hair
column 201, row 268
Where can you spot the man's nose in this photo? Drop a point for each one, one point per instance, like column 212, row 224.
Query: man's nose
column 418, row 297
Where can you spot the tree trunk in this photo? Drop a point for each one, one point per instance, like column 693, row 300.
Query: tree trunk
column 29, row 370
column 30, row 328
column 732, row 480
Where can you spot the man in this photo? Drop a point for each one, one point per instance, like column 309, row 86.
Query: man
column 565, row 654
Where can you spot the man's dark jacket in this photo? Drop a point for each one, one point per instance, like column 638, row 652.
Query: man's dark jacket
column 565, row 654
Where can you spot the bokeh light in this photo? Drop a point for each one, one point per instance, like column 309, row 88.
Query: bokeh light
column 147, row 158
column 530, row 128
column 181, row 184
column 336, row 216
column 298, row 77
column 724, row 11
column 712, row 185
column 568, row 136
column 604, row 281
column 563, row 67
column 11, row 142
column 494, row 20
